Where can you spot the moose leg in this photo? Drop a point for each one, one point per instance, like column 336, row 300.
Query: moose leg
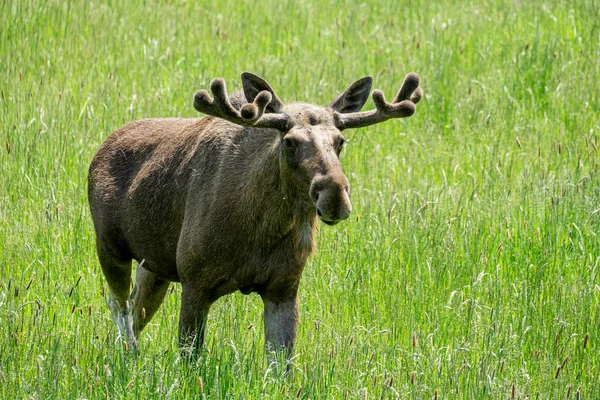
column 118, row 277
column 192, row 319
column 281, row 323
column 148, row 295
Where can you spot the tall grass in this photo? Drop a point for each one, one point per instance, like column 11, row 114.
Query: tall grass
column 469, row 266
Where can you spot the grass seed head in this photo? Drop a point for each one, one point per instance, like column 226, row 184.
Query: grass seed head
column 389, row 382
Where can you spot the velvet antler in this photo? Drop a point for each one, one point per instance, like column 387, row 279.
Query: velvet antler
column 250, row 114
column 403, row 106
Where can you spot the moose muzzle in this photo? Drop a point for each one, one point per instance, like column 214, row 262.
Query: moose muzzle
column 331, row 195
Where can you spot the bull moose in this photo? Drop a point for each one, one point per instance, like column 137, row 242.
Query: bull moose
column 226, row 202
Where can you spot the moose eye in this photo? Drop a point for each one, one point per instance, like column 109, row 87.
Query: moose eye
column 340, row 145
column 289, row 144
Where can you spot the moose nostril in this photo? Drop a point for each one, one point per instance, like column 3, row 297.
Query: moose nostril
column 319, row 213
column 314, row 194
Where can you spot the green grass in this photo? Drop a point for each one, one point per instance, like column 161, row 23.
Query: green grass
column 468, row 268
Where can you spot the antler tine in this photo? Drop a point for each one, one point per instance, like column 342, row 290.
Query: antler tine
column 410, row 88
column 403, row 106
column 221, row 100
column 250, row 114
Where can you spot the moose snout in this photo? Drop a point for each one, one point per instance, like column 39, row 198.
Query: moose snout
column 332, row 199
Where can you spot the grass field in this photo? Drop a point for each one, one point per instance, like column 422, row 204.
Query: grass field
column 467, row 270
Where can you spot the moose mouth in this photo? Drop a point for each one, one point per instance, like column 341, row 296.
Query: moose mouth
column 331, row 222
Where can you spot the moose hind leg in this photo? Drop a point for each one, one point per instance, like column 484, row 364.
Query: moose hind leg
column 118, row 277
column 147, row 296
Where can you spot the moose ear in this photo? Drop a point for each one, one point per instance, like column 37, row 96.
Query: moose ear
column 353, row 98
column 253, row 85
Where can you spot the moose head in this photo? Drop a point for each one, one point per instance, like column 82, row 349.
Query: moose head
column 311, row 137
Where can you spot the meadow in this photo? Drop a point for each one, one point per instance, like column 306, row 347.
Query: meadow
column 468, row 268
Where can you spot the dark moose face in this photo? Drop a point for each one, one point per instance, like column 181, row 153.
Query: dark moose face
column 310, row 152
column 310, row 136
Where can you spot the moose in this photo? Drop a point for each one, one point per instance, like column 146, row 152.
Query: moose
column 226, row 202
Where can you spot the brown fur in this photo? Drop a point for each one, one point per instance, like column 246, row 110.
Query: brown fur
column 218, row 207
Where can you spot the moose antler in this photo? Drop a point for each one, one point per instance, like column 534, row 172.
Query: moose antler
column 250, row 114
column 403, row 106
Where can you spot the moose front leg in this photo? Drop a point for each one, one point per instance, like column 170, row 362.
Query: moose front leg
column 192, row 321
column 281, row 323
